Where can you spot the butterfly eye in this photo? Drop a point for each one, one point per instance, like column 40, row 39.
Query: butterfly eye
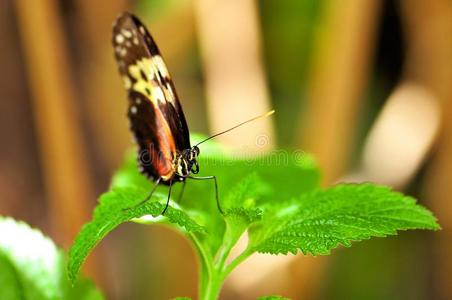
column 196, row 150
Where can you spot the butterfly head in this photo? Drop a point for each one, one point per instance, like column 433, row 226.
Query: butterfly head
column 187, row 162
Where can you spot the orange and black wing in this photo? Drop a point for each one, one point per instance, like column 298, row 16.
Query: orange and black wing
column 156, row 116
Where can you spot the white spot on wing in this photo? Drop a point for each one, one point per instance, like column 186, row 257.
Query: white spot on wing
column 127, row 33
column 133, row 109
column 119, row 38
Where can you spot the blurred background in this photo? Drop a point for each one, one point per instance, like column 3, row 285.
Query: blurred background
column 364, row 85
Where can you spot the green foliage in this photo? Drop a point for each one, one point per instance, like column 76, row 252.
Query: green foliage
column 275, row 198
column 321, row 220
column 9, row 281
column 32, row 267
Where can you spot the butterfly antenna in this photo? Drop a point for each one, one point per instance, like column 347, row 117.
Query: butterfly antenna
column 238, row 125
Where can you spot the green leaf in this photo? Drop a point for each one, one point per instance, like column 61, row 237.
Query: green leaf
column 245, row 216
column 128, row 174
column 240, row 207
column 286, row 173
column 32, row 267
column 240, row 203
column 10, row 284
column 239, row 212
column 321, row 220
column 122, row 204
column 245, row 192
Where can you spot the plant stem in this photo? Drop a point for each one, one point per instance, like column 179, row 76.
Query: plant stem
column 238, row 260
column 216, row 278
column 206, row 257
column 214, row 270
column 206, row 264
column 221, row 271
column 214, row 284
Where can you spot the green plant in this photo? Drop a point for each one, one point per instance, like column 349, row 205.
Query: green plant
column 275, row 198
column 33, row 268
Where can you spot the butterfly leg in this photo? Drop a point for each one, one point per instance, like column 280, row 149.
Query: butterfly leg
column 216, row 188
column 169, row 196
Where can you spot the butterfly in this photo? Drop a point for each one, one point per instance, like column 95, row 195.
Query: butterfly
column 157, row 120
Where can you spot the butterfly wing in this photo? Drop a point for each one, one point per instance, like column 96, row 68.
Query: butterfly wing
column 155, row 114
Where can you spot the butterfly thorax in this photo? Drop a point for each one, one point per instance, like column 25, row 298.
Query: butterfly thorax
column 186, row 163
